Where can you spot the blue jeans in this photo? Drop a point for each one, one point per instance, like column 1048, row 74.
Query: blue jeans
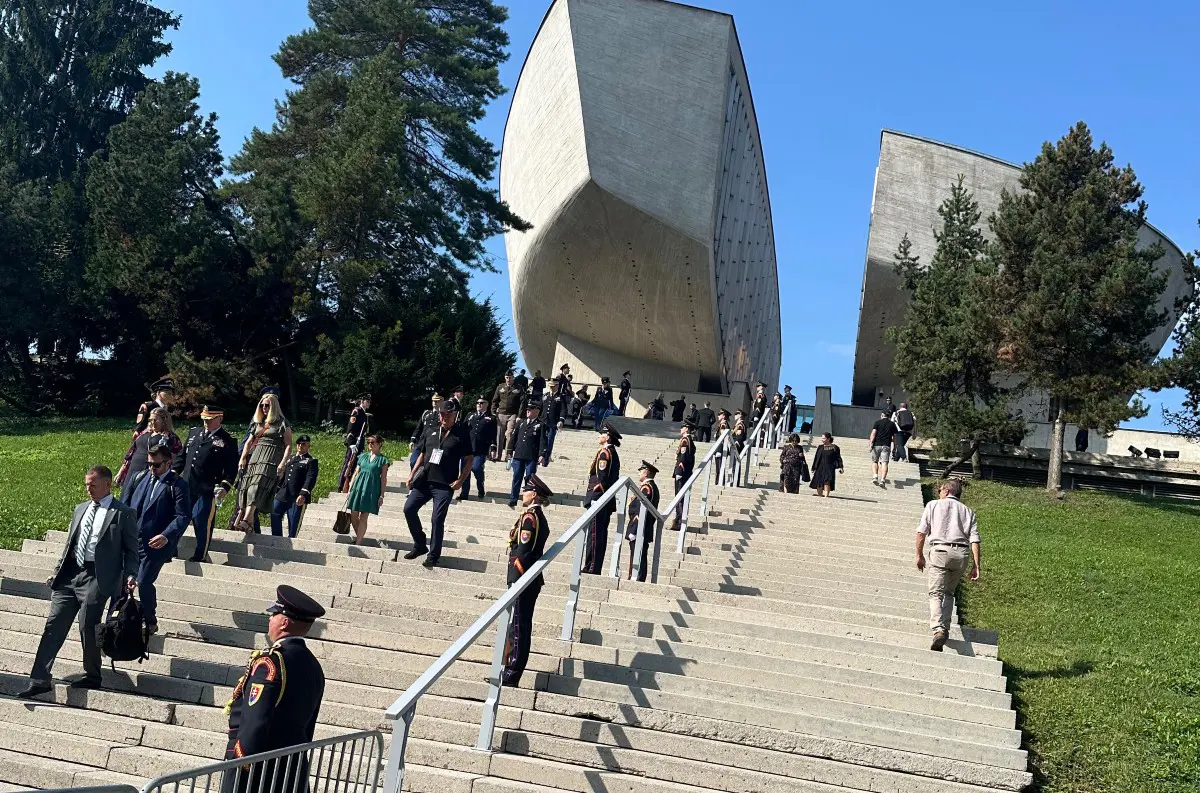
column 477, row 470
column 294, row 514
column 600, row 414
column 522, row 470
column 147, row 574
column 204, row 509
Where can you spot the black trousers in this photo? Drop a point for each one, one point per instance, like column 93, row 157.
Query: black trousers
column 647, row 541
column 418, row 497
column 704, row 434
column 79, row 595
column 520, row 634
column 680, row 481
column 597, row 543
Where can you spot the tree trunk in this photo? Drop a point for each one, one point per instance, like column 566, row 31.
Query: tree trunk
column 1054, row 469
column 317, row 412
column 976, row 464
column 968, row 455
column 293, row 395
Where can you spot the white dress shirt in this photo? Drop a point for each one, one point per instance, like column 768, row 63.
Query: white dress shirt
column 89, row 550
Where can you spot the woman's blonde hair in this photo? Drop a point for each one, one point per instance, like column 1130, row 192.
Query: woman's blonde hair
column 274, row 414
column 161, row 413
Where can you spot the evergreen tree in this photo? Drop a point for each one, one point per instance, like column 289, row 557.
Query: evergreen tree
column 1182, row 368
column 945, row 350
column 1073, row 296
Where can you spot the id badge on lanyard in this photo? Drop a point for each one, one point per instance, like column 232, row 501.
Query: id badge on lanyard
column 435, row 457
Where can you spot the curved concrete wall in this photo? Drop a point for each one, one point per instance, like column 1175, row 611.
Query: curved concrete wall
column 632, row 148
column 911, row 181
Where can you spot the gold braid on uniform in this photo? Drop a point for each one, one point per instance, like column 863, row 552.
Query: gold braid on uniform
column 237, row 690
column 514, row 532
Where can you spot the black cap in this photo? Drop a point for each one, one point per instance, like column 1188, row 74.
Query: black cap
column 614, row 437
column 165, row 384
column 626, row 373
column 268, row 389
column 294, row 604
column 449, row 405
column 304, row 439
column 723, row 412
column 564, row 366
column 481, row 398
column 533, row 404
column 458, row 390
column 787, row 388
column 605, row 380
column 534, row 482
column 648, row 466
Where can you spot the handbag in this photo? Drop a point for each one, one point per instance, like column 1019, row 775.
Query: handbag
column 805, row 475
column 120, row 636
column 341, row 524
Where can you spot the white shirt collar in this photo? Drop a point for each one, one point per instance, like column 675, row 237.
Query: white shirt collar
column 107, row 501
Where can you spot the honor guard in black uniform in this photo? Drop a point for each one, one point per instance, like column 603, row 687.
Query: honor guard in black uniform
column 623, row 394
column 603, row 474
column 481, row 426
column 526, row 543
column 760, row 404
column 553, row 408
column 276, row 702
column 526, row 448
column 210, row 466
column 358, row 427
column 685, row 463
column 295, row 489
column 161, row 392
column 562, row 383
column 602, row 403
column 649, row 488
column 789, row 407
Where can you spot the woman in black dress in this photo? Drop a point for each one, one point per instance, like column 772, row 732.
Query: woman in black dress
column 791, row 465
column 827, row 459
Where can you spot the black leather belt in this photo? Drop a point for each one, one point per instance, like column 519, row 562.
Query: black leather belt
column 953, row 544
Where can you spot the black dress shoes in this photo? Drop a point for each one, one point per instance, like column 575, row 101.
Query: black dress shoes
column 35, row 690
column 430, row 562
column 87, row 683
column 416, row 552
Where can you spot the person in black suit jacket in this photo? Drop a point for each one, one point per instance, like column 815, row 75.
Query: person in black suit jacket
column 160, row 499
column 98, row 562
column 295, row 489
column 210, row 460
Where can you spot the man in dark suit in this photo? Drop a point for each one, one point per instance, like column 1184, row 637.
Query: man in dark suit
column 210, row 460
column 99, row 561
column 160, row 499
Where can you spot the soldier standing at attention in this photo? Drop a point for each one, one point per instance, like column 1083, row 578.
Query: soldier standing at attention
column 602, row 403
column 603, row 474
column 506, row 401
column 685, row 463
column 210, row 465
column 161, row 393
column 526, row 543
column 354, row 438
column 623, row 394
column 481, row 426
column 789, row 407
column 295, row 489
column 552, row 411
column 276, row 702
column 649, row 488
column 526, row 448
column 760, row 404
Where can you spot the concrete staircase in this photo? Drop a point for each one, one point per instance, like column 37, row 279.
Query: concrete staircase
column 787, row 650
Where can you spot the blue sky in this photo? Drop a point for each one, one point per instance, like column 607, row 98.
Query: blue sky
column 826, row 78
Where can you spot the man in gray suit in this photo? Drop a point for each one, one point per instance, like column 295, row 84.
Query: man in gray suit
column 98, row 562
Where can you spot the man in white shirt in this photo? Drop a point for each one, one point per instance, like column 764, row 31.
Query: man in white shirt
column 951, row 528
column 98, row 562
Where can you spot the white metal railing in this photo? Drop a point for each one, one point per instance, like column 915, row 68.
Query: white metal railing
column 500, row 612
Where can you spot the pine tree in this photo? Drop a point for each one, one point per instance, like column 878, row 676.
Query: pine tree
column 945, row 350
column 1182, row 368
column 1073, row 296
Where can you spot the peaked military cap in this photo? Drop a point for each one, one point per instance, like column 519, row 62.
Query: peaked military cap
column 165, row 384
column 564, row 366
column 211, row 412
column 268, row 389
column 535, row 483
column 605, row 380
column 294, row 604
column 533, row 404
column 458, row 390
column 304, row 439
column 648, row 466
column 691, row 425
column 614, row 437
column 481, row 398
column 363, row 396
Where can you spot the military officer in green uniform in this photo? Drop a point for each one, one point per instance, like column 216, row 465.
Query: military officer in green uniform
column 526, row 543
column 276, row 701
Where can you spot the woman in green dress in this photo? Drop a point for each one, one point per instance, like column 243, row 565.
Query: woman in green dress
column 367, row 487
column 264, row 456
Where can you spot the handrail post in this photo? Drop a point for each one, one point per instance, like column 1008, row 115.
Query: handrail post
column 639, row 543
column 614, row 567
column 491, row 703
column 658, row 541
column 568, row 631
column 687, row 506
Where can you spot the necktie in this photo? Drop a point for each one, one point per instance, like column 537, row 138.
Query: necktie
column 85, row 533
column 153, row 489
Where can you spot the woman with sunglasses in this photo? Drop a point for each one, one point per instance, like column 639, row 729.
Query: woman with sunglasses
column 264, row 457
column 368, row 486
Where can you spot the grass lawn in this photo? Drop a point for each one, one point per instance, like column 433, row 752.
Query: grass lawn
column 42, row 465
column 1096, row 601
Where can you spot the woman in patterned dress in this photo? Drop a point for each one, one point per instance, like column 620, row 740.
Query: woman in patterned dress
column 264, row 457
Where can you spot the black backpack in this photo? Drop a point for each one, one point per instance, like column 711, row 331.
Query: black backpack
column 120, row 636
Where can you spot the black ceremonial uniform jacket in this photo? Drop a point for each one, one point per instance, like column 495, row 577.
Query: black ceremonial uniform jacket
column 760, row 405
column 430, row 418
column 527, row 542
column 603, row 474
column 276, row 702
column 357, row 427
column 482, row 429
column 685, row 458
column 210, row 461
column 625, row 388
column 299, row 478
column 143, row 415
column 528, row 439
column 649, row 489
column 739, row 435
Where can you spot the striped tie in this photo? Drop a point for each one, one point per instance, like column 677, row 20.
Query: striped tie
column 85, row 534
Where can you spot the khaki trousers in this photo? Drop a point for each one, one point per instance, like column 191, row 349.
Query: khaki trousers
column 945, row 567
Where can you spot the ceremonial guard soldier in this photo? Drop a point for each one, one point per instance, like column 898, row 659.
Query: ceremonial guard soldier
column 721, row 459
column 789, row 407
column 562, row 383
column 276, row 701
column 578, row 404
column 553, row 409
column 210, row 465
column 526, row 543
column 603, row 474
column 161, row 393
column 357, row 429
column 760, row 404
column 295, row 489
column 649, row 488
column 602, row 403
column 685, row 463
column 623, row 394
column 526, row 448
column 481, row 426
